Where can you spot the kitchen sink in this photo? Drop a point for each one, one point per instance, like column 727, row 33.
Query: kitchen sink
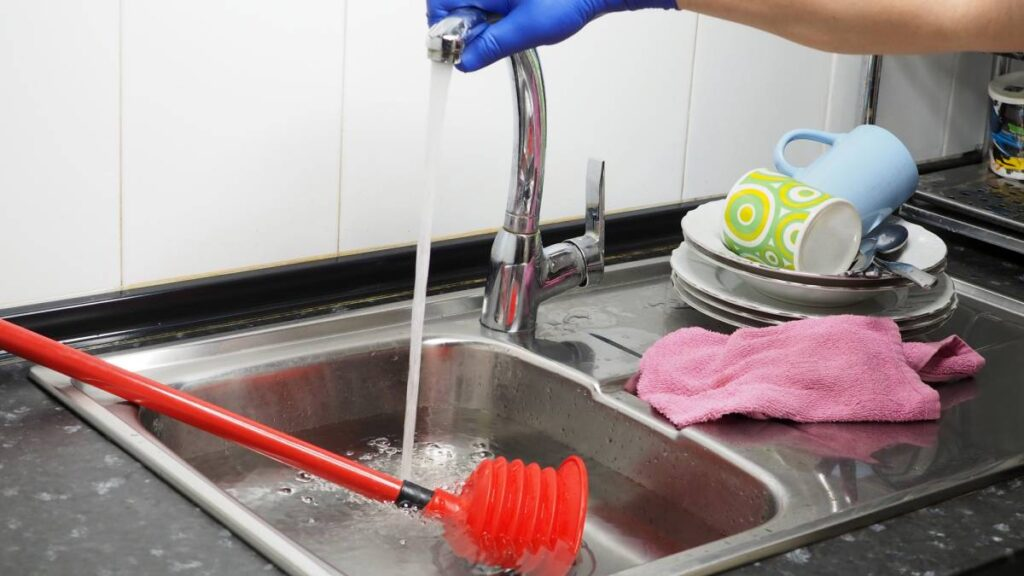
column 652, row 495
column 663, row 501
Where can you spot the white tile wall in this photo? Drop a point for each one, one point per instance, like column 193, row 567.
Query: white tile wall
column 59, row 232
column 750, row 88
column 936, row 103
column 968, row 109
column 251, row 133
column 915, row 100
column 846, row 93
column 634, row 117
column 624, row 101
column 232, row 133
column 385, row 133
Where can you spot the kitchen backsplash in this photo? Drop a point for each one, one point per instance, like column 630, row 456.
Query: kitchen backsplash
column 150, row 140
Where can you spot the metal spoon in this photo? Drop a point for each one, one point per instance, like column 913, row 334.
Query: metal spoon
column 897, row 235
column 910, row 272
column 884, row 239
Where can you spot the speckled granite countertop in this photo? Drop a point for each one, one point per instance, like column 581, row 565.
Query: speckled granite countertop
column 71, row 502
column 980, row 532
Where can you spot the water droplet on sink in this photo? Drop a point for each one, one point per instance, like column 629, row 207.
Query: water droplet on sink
column 479, row 445
column 308, row 500
column 304, row 477
column 350, row 453
column 391, row 451
column 285, row 490
column 401, row 542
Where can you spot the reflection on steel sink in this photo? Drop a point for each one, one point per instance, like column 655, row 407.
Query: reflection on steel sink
column 663, row 501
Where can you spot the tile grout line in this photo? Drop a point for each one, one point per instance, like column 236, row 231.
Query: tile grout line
column 689, row 107
column 830, row 91
column 120, row 143
column 341, row 125
column 950, row 103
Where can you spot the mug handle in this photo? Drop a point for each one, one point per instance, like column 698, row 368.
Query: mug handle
column 783, row 165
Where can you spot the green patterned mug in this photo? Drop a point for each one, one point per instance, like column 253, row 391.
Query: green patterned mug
column 777, row 221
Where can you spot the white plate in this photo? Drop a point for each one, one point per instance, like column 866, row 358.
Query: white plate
column 808, row 294
column 703, row 227
column 728, row 314
column 708, row 278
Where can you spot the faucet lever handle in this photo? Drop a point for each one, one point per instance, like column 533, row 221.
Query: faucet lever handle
column 592, row 242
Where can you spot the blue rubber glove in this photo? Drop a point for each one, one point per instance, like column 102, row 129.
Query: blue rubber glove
column 529, row 23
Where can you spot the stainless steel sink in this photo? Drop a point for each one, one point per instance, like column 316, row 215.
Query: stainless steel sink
column 650, row 492
column 663, row 501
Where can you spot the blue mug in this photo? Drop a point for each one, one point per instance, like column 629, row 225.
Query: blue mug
column 869, row 167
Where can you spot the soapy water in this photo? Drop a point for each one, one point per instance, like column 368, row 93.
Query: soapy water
column 355, row 533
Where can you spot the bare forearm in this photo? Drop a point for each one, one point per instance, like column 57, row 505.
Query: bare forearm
column 881, row 26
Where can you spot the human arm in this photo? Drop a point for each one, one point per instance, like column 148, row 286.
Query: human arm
column 850, row 26
column 881, row 26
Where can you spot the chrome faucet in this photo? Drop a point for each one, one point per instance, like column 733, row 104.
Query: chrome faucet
column 523, row 273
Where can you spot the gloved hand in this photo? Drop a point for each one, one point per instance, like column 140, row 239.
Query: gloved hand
column 529, row 23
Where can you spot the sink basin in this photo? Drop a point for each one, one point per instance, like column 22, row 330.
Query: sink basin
column 652, row 495
column 663, row 501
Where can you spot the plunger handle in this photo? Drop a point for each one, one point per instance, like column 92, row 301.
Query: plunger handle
column 209, row 417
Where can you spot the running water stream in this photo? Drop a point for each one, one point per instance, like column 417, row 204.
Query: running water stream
column 440, row 78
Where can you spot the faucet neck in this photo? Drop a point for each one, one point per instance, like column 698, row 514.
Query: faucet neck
column 522, row 215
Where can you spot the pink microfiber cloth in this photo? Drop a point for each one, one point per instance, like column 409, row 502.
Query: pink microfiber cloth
column 832, row 369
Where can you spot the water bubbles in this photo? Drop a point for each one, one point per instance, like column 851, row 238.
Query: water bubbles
column 380, row 444
column 479, row 445
column 308, row 500
column 304, row 477
column 439, row 452
column 286, row 490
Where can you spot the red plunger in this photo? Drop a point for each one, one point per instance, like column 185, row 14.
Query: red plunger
column 509, row 514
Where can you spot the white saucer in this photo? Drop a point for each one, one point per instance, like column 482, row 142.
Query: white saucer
column 713, row 281
column 702, row 227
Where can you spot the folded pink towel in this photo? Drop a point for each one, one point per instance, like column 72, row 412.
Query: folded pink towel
column 832, row 369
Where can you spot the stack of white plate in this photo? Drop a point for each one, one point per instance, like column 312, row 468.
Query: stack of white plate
column 737, row 291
